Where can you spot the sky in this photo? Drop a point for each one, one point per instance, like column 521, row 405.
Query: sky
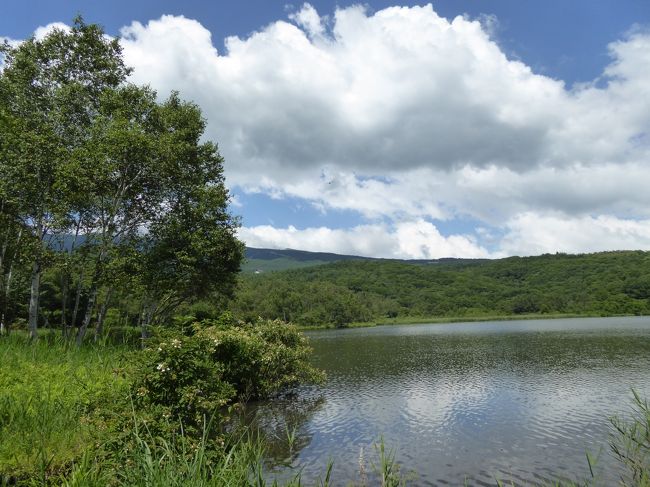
column 460, row 128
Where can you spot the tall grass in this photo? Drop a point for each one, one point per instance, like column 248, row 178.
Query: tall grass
column 180, row 461
column 631, row 443
column 57, row 402
column 49, row 393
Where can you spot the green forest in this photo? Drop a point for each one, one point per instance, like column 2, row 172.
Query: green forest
column 353, row 291
column 110, row 200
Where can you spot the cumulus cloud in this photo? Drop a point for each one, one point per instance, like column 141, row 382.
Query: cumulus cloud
column 312, row 23
column 44, row 30
column 531, row 233
column 9, row 40
column 404, row 112
column 417, row 239
column 528, row 233
column 401, row 89
column 491, row 195
column 398, row 90
column 405, row 116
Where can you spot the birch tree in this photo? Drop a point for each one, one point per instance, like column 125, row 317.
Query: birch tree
column 49, row 91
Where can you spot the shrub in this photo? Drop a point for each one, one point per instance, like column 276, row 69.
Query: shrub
column 178, row 380
column 262, row 358
column 188, row 377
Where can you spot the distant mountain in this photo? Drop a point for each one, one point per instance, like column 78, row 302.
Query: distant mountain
column 298, row 255
column 266, row 260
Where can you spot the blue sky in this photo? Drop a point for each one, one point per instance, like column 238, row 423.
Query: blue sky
column 517, row 128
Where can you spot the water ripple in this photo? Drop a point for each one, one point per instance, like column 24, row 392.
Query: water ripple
column 474, row 402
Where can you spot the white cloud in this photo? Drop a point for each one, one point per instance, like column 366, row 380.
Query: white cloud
column 403, row 115
column 9, row 40
column 497, row 194
column 402, row 94
column 39, row 33
column 307, row 18
column 235, row 201
column 12, row 43
column 408, row 240
column 491, row 195
column 398, row 90
column 44, row 30
column 530, row 233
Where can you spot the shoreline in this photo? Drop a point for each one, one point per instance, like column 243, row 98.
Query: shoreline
column 418, row 320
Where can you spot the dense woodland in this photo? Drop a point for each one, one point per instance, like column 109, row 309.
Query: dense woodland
column 110, row 201
column 340, row 293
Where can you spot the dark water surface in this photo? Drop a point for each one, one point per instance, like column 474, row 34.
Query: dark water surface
column 465, row 402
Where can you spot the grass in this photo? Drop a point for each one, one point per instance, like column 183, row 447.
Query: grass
column 631, row 443
column 55, row 411
column 49, row 393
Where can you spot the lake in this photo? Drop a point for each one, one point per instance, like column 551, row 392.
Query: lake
column 463, row 402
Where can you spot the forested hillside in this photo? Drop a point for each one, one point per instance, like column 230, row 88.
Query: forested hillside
column 264, row 260
column 357, row 290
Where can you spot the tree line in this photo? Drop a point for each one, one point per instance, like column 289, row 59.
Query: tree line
column 110, row 199
column 608, row 283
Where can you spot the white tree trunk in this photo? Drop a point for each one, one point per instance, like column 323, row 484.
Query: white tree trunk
column 34, row 299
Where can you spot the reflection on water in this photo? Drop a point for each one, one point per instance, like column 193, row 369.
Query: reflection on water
column 282, row 424
column 465, row 402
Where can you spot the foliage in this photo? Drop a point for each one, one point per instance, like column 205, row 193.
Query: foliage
column 178, row 381
column 631, row 444
column 79, row 413
column 177, row 461
column 109, row 198
column 340, row 293
column 52, row 398
column 189, row 377
column 261, row 358
column 49, row 93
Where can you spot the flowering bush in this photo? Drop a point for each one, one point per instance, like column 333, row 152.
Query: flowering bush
column 178, row 380
column 260, row 359
column 188, row 378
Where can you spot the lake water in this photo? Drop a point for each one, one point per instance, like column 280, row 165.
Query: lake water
column 464, row 402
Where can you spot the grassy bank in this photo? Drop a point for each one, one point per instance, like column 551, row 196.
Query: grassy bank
column 52, row 394
column 58, row 412
column 105, row 414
